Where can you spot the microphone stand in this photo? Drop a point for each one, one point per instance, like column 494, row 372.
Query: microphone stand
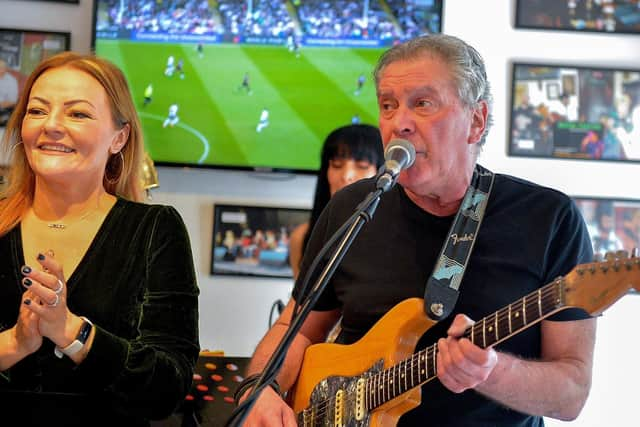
column 354, row 224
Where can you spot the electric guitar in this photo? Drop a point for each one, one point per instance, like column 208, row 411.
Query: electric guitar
column 375, row 380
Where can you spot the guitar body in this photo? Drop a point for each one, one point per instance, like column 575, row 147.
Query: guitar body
column 392, row 339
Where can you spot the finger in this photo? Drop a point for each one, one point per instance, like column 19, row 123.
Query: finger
column 481, row 358
column 47, row 295
column 47, row 280
column 459, row 325
column 50, row 264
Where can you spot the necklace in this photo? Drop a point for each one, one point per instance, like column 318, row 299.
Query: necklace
column 62, row 226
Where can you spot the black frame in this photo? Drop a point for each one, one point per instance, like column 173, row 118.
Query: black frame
column 14, row 57
column 543, row 132
column 537, row 17
column 250, row 254
column 623, row 212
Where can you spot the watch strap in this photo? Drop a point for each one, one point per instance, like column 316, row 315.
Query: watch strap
column 78, row 342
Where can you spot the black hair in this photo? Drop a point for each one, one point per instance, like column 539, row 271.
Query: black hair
column 357, row 141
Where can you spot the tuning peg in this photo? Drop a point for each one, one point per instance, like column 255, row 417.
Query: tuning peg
column 597, row 257
column 610, row 256
column 635, row 252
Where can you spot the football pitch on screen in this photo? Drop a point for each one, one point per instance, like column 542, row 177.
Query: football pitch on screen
column 306, row 95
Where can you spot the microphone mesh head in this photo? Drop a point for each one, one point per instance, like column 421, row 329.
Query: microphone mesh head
column 396, row 145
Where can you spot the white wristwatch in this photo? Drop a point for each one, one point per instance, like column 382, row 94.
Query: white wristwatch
column 79, row 342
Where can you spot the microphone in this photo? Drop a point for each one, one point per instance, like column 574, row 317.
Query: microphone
column 399, row 155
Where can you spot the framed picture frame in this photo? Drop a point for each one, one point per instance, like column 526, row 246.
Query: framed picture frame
column 614, row 16
column 20, row 52
column 574, row 112
column 553, row 91
column 569, row 85
column 253, row 240
column 613, row 224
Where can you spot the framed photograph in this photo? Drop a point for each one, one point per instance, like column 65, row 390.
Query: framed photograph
column 571, row 112
column 568, row 85
column 553, row 91
column 20, row 52
column 253, row 240
column 613, row 224
column 612, row 16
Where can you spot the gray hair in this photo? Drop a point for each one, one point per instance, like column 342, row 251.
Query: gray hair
column 466, row 64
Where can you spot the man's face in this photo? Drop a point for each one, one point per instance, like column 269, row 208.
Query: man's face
column 418, row 101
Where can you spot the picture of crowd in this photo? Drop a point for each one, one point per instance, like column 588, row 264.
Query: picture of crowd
column 575, row 113
column 340, row 19
column 613, row 225
column 254, row 240
column 584, row 15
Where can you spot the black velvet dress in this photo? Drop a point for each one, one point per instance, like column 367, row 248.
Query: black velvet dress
column 137, row 284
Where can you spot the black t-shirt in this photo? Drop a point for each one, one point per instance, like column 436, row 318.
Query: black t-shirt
column 529, row 236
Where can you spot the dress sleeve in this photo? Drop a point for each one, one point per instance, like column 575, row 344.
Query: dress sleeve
column 153, row 372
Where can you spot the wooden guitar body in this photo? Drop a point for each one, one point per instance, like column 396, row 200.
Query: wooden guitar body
column 391, row 340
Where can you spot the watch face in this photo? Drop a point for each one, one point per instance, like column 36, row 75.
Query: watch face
column 78, row 343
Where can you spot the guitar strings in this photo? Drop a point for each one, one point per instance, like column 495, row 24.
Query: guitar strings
column 548, row 296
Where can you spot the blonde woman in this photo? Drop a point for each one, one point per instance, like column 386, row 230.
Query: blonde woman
column 98, row 295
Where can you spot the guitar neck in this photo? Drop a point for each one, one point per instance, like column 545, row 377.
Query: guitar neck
column 491, row 330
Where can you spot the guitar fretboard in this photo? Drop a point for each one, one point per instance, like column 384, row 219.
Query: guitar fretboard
column 504, row 323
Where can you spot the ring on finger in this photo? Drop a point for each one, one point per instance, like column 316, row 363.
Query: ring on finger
column 54, row 303
column 60, row 287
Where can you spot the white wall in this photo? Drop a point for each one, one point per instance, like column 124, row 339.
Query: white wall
column 234, row 311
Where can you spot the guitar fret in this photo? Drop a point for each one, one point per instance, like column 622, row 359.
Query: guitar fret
column 484, row 333
column 412, row 363
column 510, row 328
column 393, row 383
column 539, row 302
column 524, row 311
column 406, row 387
column 496, row 326
column 473, row 334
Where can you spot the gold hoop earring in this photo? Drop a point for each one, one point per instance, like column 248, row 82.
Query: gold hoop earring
column 13, row 147
column 114, row 168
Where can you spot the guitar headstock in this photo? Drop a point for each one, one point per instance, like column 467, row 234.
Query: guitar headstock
column 595, row 286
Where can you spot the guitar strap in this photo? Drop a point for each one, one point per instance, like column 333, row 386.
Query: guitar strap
column 442, row 290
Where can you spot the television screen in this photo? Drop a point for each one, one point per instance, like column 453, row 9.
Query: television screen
column 252, row 84
column 575, row 112
column 20, row 52
column 613, row 225
column 604, row 16
column 253, row 240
